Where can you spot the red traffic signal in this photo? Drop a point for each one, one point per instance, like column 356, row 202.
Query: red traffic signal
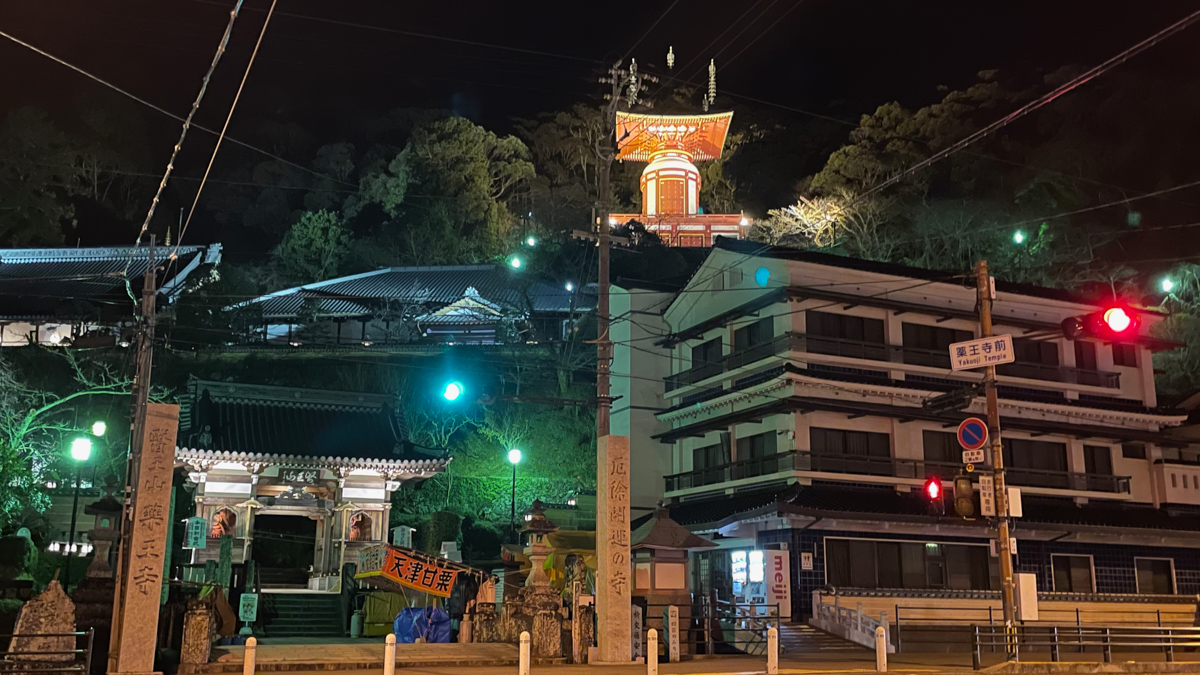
column 933, row 489
column 1114, row 323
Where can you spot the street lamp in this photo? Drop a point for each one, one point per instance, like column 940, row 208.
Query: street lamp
column 1018, row 237
column 1167, row 285
column 515, row 263
column 98, row 429
column 531, row 241
column 81, row 452
column 453, row 391
column 514, row 458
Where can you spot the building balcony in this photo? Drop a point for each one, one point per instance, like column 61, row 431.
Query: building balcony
column 873, row 351
column 852, row 467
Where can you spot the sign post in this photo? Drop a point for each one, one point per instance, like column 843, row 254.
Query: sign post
column 986, row 351
column 196, row 535
column 973, row 436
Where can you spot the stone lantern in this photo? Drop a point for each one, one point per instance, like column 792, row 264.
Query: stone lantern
column 537, row 526
column 106, row 530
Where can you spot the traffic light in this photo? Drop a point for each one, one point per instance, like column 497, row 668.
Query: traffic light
column 964, row 496
column 933, row 492
column 1112, row 323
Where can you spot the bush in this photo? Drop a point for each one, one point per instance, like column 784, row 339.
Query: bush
column 441, row 526
column 18, row 557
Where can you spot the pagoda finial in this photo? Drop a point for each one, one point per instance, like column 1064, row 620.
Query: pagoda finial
column 712, row 84
column 671, row 56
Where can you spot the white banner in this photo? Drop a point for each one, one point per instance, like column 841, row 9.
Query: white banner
column 779, row 582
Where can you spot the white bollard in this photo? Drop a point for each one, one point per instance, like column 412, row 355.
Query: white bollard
column 523, row 667
column 880, row 650
column 389, row 654
column 651, row 652
column 772, row 651
column 250, row 656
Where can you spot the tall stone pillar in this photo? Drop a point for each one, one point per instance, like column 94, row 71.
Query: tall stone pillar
column 613, row 567
column 136, row 613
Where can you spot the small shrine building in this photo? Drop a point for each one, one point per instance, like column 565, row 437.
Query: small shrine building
column 301, row 478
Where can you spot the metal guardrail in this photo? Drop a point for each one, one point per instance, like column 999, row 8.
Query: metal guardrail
column 707, row 625
column 1079, row 638
column 28, row 663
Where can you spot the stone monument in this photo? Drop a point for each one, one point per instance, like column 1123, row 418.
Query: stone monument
column 93, row 596
column 614, row 616
column 538, row 607
column 139, row 586
column 50, row 612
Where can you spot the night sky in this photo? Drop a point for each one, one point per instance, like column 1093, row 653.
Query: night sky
column 841, row 56
column 324, row 63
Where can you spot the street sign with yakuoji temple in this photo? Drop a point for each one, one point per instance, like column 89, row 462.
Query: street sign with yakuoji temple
column 989, row 351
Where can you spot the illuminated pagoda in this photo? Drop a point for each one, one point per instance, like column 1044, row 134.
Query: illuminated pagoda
column 670, row 144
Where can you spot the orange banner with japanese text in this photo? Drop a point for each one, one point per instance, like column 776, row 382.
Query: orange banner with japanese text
column 410, row 571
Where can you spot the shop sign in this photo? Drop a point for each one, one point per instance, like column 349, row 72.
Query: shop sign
column 779, row 582
column 423, row 575
column 297, row 476
column 248, row 607
column 196, row 533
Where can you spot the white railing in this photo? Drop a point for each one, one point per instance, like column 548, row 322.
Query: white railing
column 848, row 624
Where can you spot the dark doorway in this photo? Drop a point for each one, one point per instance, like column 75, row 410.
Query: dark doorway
column 283, row 548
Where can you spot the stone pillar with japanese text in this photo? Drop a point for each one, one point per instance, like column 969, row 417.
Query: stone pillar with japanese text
column 135, row 632
column 613, row 574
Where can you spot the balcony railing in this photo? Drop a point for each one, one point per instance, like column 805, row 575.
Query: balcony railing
column 744, row 468
column 874, row 351
column 863, row 465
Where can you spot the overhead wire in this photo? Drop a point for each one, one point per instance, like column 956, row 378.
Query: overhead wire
column 1037, row 103
column 651, row 28
column 224, row 128
column 763, row 32
column 187, row 123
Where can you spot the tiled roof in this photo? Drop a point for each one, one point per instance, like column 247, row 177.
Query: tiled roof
column 427, row 287
column 270, row 420
column 660, row 531
column 48, row 282
column 886, row 502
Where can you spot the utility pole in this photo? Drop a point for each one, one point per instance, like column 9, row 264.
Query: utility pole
column 1004, row 546
column 605, row 153
column 140, row 398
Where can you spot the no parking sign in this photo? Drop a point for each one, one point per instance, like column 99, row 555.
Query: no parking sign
column 972, row 436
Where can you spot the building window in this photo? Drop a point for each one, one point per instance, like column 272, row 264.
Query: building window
column 709, row 457
column 941, row 447
column 862, row 563
column 1085, row 355
column 707, row 354
column 1030, row 351
column 1097, row 459
column 1155, row 575
column 1036, row 463
column 841, row 451
column 224, row 522
column 756, row 446
column 1133, row 450
column 1073, row 573
column 1125, row 355
column 844, row 327
column 757, row 333
column 929, row 345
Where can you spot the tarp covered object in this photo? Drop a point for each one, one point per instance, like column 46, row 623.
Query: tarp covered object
column 431, row 623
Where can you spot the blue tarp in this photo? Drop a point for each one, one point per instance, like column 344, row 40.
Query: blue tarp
column 431, row 623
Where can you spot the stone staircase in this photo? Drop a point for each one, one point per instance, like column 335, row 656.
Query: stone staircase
column 798, row 638
column 301, row 615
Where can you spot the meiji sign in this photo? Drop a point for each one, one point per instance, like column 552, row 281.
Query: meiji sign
column 988, row 351
column 779, row 582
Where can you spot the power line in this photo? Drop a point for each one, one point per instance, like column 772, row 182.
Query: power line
column 647, row 33
column 216, row 148
column 187, row 123
column 427, row 36
column 1039, row 102
column 162, row 110
column 764, row 32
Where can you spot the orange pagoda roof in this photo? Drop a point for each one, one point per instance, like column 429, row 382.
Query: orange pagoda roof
column 701, row 136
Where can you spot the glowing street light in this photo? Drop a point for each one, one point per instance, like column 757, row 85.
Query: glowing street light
column 453, row 391
column 1167, row 285
column 81, row 449
column 515, row 263
column 98, row 428
column 514, row 458
column 569, row 286
column 531, row 241
column 1019, row 237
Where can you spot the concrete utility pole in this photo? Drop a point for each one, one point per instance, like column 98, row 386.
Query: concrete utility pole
column 604, row 156
column 983, row 285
